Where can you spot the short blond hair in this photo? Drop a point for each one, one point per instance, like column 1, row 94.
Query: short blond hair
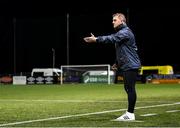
column 122, row 16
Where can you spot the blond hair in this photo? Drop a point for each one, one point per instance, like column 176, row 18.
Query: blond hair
column 120, row 15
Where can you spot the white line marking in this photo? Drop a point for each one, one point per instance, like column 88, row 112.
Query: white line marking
column 137, row 121
column 127, row 121
column 177, row 103
column 172, row 111
column 62, row 117
column 150, row 114
column 85, row 114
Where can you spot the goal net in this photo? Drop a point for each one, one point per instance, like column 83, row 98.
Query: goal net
column 87, row 74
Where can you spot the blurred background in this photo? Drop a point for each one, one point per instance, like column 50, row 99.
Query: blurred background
column 47, row 34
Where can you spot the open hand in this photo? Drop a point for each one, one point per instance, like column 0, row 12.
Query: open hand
column 90, row 39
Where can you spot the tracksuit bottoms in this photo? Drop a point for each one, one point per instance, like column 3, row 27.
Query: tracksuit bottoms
column 129, row 78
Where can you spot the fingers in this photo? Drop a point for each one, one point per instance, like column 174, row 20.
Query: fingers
column 114, row 67
column 86, row 39
column 92, row 35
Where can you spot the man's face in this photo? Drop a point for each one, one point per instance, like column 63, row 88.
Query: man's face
column 116, row 21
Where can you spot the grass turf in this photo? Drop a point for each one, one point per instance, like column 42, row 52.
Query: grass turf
column 22, row 103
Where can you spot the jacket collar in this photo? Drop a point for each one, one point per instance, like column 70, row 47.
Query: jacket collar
column 121, row 26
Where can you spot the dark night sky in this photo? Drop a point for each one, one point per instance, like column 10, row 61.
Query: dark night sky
column 39, row 27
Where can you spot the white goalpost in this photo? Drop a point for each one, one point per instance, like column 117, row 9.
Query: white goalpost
column 100, row 73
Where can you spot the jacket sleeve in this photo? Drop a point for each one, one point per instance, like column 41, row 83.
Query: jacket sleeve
column 113, row 38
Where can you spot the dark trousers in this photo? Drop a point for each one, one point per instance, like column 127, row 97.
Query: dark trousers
column 129, row 86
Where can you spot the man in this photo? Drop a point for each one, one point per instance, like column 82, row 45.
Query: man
column 127, row 59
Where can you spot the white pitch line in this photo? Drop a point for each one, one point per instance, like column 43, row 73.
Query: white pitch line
column 172, row 111
column 62, row 117
column 126, row 120
column 150, row 114
column 85, row 114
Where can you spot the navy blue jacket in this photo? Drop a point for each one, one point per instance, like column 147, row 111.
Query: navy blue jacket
column 126, row 49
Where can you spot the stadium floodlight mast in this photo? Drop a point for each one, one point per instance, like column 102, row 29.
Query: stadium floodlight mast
column 14, row 45
column 87, row 68
column 53, row 58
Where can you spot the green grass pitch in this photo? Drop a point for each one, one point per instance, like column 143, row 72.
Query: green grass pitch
column 87, row 105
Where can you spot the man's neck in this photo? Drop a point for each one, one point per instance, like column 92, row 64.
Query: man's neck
column 120, row 27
